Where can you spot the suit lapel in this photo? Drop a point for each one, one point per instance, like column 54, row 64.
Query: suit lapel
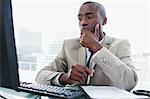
column 107, row 41
column 82, row 55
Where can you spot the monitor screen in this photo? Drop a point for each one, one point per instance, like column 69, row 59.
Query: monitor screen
column 8, row 57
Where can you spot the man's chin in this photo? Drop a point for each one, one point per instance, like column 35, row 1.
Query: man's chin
column 84, row 30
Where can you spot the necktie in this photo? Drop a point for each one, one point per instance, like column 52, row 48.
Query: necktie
column 88, row 63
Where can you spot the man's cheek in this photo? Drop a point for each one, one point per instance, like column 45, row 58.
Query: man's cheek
column 92, row 28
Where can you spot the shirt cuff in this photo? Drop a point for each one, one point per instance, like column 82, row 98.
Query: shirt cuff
column 55, row 80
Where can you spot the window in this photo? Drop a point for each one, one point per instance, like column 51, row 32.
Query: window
column 42, row 25
column 40, row 28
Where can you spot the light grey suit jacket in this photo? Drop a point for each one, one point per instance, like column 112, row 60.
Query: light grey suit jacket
column 113, row 65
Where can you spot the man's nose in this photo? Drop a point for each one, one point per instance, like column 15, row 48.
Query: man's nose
column 83, row 22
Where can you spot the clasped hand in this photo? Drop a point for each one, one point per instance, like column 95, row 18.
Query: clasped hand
column 76, row 76
column 90, row 40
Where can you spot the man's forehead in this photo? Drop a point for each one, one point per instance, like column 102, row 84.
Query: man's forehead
column 90, row 7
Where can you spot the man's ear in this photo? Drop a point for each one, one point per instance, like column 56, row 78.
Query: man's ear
column 104, row 21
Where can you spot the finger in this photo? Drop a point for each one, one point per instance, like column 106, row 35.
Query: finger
column 92, row 72
column 82, row 40
column 82, row 69
column 81, row 36
column 78, row 68
column 89, row 71
column 75, row 78
column 77, row 74
column 97, row 29
column 73, row 82
column 79, row 71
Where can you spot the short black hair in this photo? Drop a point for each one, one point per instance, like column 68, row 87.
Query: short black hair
column 98, row 7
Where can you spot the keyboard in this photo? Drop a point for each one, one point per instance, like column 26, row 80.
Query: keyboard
column 50, row 90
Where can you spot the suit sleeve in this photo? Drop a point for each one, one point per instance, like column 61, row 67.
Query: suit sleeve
column 48, row 73
column 117, row 66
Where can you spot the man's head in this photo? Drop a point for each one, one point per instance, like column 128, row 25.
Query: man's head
column 90, row 14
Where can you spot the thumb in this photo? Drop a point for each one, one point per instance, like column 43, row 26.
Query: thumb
column 97, row 29
column 89, row 71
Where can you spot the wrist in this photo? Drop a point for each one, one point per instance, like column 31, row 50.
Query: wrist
column 63, row 78
column 97, row 47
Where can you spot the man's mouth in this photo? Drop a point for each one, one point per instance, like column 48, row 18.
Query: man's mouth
column 85, row 29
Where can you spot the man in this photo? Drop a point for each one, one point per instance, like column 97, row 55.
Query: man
column 94, row 58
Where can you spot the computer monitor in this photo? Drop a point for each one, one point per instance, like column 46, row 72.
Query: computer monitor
column 8, row 58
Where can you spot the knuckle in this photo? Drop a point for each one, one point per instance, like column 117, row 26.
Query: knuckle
column 73, row 66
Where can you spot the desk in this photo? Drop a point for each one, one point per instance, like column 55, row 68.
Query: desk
column 12, row 94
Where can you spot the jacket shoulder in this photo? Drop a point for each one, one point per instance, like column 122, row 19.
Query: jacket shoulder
column 72, row 42
column 118, row 42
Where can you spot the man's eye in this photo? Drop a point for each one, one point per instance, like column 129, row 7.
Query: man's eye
column 80, row 18
column 90, row 17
